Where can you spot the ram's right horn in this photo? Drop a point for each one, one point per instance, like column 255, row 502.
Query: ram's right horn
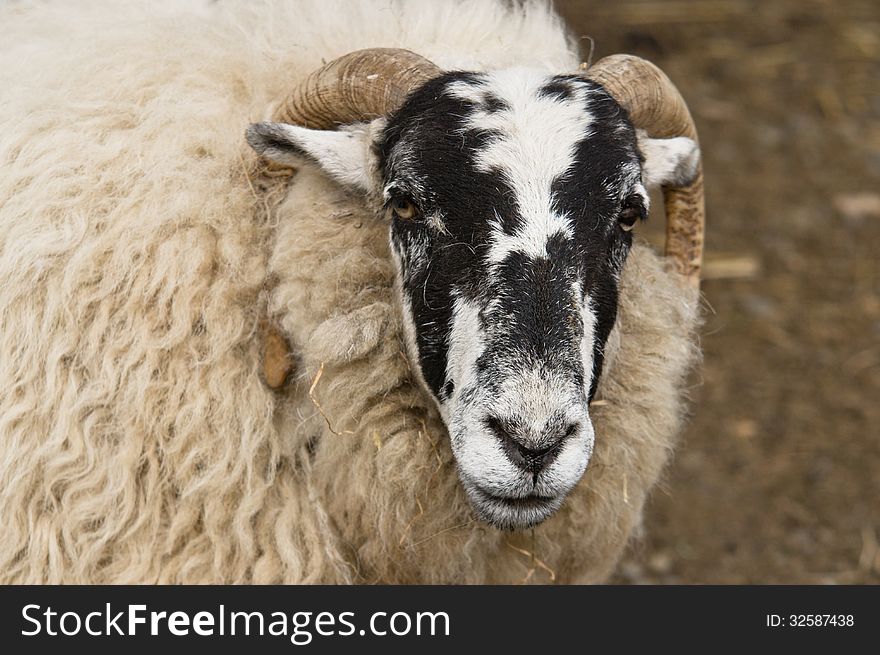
column 359, row 86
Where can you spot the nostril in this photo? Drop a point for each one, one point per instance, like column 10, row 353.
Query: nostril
column 537, row 458
column 570, row 430
column 529, row 457
column 499, row 429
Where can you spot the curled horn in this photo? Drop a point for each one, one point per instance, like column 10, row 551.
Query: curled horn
column 656, row 106
column 359, row 86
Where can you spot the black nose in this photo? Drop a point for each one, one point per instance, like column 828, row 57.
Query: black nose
column 529, row 455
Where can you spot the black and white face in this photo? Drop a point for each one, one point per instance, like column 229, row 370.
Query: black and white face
column 510, row 198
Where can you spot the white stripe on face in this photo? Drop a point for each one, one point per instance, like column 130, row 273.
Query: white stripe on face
column 466, row 344
column 536, row 142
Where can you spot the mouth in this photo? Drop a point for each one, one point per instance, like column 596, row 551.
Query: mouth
column 513, row 512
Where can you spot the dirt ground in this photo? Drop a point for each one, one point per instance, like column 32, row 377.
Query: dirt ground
column 777, row 478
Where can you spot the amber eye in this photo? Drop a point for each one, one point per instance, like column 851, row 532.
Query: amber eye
column 404, row 209
column 629, row 216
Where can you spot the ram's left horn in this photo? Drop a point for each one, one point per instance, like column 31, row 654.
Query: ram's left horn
column 656, row 106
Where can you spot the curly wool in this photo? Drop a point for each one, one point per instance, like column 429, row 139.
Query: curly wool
column 137, row 441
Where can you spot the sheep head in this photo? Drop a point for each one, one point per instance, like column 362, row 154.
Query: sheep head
column 510, row 198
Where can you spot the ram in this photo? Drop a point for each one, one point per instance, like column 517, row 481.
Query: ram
column 409, row 339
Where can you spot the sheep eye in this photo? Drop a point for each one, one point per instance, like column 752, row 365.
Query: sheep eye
column 404, row 209
column 628, row 218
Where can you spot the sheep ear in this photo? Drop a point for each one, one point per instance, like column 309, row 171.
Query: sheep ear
column 344, row 154
column 669, row 162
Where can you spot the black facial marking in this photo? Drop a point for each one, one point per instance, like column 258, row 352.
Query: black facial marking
column 493, row 103
column 428, row 152
column 558, row 88
column 534, row 308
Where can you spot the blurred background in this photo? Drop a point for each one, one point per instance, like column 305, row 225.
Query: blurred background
column 777, row 477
